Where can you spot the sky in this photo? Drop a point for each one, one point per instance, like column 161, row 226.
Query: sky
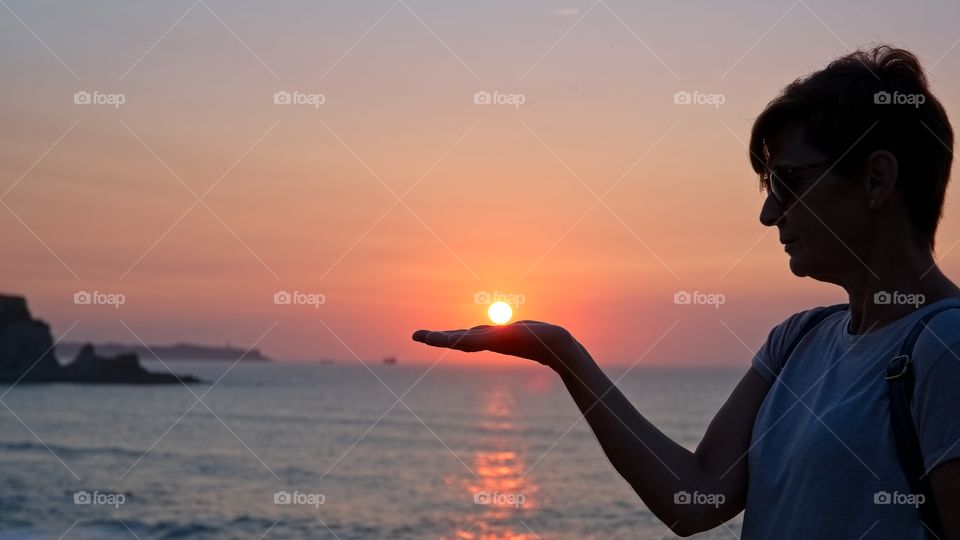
column 396, row 163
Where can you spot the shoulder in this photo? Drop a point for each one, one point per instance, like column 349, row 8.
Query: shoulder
column 771, row 357
column 936, row 361
column 805, row 321
column 937, row 348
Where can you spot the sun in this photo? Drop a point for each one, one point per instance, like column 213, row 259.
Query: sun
column 500, row 312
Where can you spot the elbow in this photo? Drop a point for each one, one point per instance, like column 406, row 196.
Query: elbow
column 685, row 523
column 686, row 528
column 693, row 523
column 682, row 518
column 685, row 519
column 693, row 520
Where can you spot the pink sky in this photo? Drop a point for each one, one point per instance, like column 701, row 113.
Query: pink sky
column 494, row 197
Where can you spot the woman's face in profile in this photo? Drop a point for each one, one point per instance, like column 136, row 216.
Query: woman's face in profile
column 823, row 221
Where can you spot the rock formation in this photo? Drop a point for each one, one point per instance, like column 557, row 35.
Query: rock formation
column 27, row 355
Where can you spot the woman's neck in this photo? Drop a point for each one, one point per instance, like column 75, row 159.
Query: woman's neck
column 895, row 286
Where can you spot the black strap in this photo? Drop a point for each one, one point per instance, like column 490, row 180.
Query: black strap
column 900, row 382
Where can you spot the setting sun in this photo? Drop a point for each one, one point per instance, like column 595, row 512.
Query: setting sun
column 500, row 312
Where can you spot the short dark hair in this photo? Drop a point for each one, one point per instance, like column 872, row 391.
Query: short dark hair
column 877, row 99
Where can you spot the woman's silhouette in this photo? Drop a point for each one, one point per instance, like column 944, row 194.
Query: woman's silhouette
column 855, row 160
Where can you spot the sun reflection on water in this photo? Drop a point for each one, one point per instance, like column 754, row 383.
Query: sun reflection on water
column 501, row 492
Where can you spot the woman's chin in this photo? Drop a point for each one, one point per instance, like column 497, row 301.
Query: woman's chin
column 797, row 267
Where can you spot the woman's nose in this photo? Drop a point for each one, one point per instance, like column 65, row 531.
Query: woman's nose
column 771, row 212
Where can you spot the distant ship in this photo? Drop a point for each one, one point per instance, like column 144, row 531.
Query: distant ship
column 390, row 360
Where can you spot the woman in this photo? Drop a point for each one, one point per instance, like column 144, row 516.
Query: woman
column 855, row 161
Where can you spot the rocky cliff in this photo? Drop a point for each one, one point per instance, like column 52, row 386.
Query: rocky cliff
column 27, row 355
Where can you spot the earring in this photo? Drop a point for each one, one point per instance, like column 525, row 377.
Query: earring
column 872, row 203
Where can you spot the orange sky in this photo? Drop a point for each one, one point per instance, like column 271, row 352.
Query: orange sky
column 493, row 197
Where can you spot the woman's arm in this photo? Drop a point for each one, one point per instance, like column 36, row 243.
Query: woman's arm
column 689, row 491
column 945, row 481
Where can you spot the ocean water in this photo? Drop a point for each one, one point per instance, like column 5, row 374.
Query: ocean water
column 465, row 453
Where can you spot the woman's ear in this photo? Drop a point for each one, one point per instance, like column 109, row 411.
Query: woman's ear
column 881, row 177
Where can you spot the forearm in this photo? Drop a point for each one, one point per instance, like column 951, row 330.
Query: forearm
column 656, row 467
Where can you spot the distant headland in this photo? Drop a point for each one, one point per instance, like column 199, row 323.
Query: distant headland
column 177, row 351
column 28, row 355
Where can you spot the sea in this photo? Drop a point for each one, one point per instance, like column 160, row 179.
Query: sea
column 338, row 451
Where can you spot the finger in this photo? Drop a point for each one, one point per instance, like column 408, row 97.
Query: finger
column 421, row 335
column 445, row 338
column 430, row 337
column 485, row 329
column 468, row 340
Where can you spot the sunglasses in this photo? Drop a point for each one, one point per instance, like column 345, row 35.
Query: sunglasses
column 782, row 182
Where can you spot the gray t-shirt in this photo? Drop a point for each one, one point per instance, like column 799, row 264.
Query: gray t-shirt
column 822, row 461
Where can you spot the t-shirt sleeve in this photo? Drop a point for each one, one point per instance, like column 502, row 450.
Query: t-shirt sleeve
column 769, row 358
column 935, row 408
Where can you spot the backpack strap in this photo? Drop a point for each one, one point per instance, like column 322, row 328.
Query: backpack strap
column 811, row 323
column 900, row 382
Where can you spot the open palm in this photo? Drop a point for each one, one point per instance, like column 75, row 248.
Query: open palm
column 543, row 342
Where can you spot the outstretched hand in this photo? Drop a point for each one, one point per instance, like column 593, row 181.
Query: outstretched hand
column 543, row 342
